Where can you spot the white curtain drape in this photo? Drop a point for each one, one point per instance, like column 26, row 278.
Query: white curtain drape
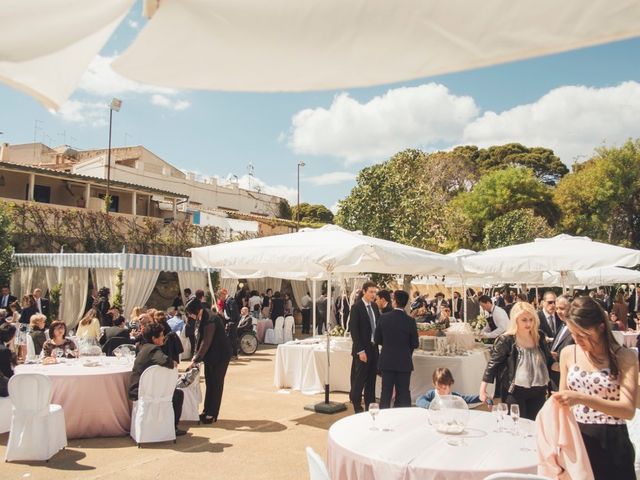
column 75, row 284
column 26, row 280
column 231, row 284
column 138, row 285
column 52, row 275
column 106, row 277
column 300, row 289
column 263, row 284
column 15, row 282
column 193, row 280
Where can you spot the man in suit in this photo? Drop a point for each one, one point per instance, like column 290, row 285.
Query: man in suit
column 117, row 330
column 397, row 334
column 634, row 306
column 456, row 306
column 473, row 306
column 6, row 299
column 42, row 304
column 383, row 301
column 364, row 365
column 550, row 324
column 563, row 338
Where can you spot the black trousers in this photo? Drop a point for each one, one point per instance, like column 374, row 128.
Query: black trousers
column 177, row 400
column 233, row 337
column 306, row 320
column 555, row 380
column 214, row 379
column 530, row 400
column 610, row 451
column 399, row 381
column 190, row 332
column 363, row 378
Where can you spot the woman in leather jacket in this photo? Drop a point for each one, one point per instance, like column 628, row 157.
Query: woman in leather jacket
column 520, row 358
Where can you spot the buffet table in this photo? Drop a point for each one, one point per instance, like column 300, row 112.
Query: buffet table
column 407, row 447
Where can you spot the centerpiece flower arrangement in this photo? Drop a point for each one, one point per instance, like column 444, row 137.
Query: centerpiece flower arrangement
column 337, row 331
column 431, row 329
column 478, row 324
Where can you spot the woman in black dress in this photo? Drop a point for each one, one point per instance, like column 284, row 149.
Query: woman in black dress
column 214, row 350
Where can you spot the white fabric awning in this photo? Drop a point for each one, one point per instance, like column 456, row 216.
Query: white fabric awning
column 124, row 261
column 595, row 277
column 285, row 45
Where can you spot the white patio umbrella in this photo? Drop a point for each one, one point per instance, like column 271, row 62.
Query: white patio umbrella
column 595, row 277
column 286, row 45
column 322, row 253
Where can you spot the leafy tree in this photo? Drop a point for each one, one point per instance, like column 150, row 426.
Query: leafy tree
column 601, row 198
column 6, row 249
column 312, row 213
column 284, row 209
column 500, row 192
column 516, row 226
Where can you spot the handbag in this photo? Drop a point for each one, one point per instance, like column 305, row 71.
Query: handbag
column 188, row 377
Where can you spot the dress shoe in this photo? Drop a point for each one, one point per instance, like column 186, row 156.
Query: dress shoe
column 180, row 433
column 206, row 419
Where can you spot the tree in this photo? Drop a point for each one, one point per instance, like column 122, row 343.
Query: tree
column 500, row 192
column 284, row 209
column 516, row 226
column 312, row 213
column 601, row 198
column 6, row 249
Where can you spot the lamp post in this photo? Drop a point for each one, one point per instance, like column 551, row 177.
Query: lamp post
column 300, row 164
column 114, row 105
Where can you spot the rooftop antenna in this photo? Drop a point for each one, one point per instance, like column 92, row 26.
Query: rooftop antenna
column 36, row 127
column 125, row 138
column 250, row 171
column 63, row 134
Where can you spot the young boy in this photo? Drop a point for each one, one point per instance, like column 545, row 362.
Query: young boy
column 443, row 381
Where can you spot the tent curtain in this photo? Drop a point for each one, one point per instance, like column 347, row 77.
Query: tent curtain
column 193, row 280
column 26, row 280
column 231, row 284
column 138, row 285
column 299, row 289
column 75, row 284
column 15, row 281
column 263, row 284
column 52, row 277
column 106, row 277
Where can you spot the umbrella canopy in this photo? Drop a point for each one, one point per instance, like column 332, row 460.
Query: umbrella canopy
column 320, row 253
column 595, row 277
column 285, row 45
column 562, row 253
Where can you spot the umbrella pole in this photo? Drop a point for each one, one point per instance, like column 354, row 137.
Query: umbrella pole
column 313, row 290
column 464, row 304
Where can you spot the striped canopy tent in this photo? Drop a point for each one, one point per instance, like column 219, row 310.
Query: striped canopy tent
column 71, row 270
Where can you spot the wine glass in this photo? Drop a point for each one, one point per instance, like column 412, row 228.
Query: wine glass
column 501, row 410
column 374, row 409
column 515, row 416
column 59, row 354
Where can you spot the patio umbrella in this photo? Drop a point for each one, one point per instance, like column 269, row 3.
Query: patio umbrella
column 285, row 45
column 595, row 277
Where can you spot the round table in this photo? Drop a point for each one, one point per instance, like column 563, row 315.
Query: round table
column 630, row 338
column 94, row 399
column 413, row 449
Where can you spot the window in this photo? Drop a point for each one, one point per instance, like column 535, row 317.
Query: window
column 115, row 202
column 41, row 193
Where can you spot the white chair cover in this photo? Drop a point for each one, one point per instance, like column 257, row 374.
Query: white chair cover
column 317, row 468
column 514, row 476
column 38, row 430
column 152, row 415
column 5, row 414
column 192, row 399
column 31, row 349
column 289, row 328
column 270, row 336
column 279, row 330
column 618, row 336
column 186, row 346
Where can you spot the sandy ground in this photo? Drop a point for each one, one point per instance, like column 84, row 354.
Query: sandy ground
column 261, row 434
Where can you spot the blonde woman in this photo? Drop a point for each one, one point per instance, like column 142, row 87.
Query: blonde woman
column 520, row 358
column 37, row 334
column 89, row 327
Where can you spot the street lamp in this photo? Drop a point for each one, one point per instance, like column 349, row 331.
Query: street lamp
column 300, row 164
column 114, row 105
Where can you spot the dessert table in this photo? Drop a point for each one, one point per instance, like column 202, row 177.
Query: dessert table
column 94, row 399
column 407, row 447
column 302, row 365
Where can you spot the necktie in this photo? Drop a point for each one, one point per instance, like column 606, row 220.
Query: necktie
column 372, row 319
column 552, row 324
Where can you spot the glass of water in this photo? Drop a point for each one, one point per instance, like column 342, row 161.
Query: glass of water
column 515, row 416
column 374, row 409
column 501, row 412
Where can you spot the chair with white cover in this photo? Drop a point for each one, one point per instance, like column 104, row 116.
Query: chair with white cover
column 270, row 336
column 289, row 328
column 5, row 414
column 31, row 349
column 38, row 430
column 317, row 468
column 186, row 354
column 515, row 476
column 192, row 399
column 619, row 336
column 278, row 330
column 152, row 418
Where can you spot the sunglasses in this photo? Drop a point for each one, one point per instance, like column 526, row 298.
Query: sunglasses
column 551, row 302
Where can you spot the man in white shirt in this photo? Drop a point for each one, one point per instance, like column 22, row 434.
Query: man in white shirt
column 42, row 304
column 305, row 308
column 497, row 318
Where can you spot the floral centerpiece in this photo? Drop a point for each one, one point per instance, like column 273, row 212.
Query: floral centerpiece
column 478, row 324
column 337, row 331
column 430, row 329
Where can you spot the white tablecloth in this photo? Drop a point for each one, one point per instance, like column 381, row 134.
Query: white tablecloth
column 630, row 338
column 303, row 367
column 414, row 450
column 94, row 399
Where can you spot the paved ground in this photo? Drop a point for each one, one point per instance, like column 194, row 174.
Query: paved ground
column 261, row 434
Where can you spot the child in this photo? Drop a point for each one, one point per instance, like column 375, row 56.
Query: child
column 443, row 381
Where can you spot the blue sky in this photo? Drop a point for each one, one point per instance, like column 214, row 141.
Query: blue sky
column 571, row 102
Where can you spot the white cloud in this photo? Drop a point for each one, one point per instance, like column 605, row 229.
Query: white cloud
column 133, row 24
column 572, row 120
column 330, row 178
column 92, row 113
column 421, row 116
column 334, row 208
column 166, row 102
column 257, row 185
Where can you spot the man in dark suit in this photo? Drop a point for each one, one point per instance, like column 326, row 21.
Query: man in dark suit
column 364, row 365
column 563, row 338
column 232, row 318
column 397, row 334
column 456, row 306
column 383, row 301
column 117, row 330
column 634, row 306
column 6, row 299
column 550, row 324
column 42, row 304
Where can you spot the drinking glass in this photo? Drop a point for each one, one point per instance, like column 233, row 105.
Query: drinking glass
column 501, row 409
column 59, row 354
column 374, row 409
column 515, row 416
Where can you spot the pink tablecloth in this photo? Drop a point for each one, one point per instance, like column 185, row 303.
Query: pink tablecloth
column 94, row 399
column 630, row 339
column 263, row 326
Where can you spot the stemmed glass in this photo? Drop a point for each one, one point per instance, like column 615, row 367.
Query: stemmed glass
column 515, row 416
column 501, row 412
column 374, row 409
column 59, row 354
